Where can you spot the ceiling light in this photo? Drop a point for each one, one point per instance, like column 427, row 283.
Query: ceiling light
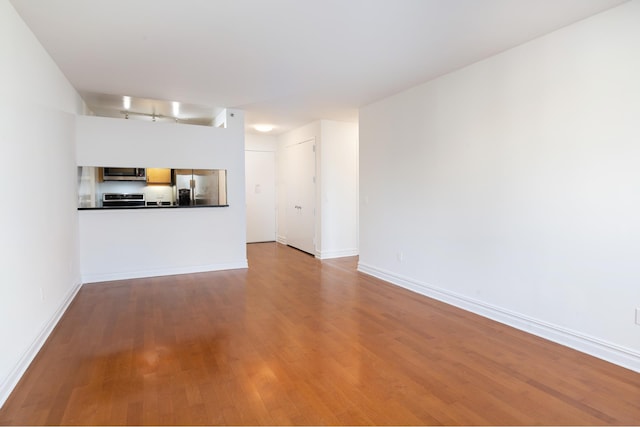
column 176, row 108
column 126, row 102
column 263, row 128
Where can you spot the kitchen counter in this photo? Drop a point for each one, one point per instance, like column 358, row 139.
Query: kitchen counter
column 112, row 208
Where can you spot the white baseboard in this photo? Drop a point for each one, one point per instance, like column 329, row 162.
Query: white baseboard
column 139, row 274
column 9, row 383
column 618, row 355
column 337, row 254
column 281, row 239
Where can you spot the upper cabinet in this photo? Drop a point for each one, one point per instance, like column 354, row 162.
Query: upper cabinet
column 158, row 176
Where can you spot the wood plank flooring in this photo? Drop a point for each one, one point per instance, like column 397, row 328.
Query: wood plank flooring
column 293, row 340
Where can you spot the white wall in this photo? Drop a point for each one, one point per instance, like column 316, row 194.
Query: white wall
column 338, row 189
column 104, row 141
column 336, row 185
column 512, row 188
column 39, row 272
column 163, row 241
column 260, row 142
column 260, row 181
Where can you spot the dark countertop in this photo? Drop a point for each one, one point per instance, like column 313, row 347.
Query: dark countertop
column 112, row 208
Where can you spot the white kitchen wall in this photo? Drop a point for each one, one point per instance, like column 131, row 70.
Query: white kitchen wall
column 39, row 271
column 142, row 243
column 104, row 141
column 336, row 188
column 511, row 187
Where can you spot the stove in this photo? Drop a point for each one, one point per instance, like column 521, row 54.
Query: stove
column 121, row 199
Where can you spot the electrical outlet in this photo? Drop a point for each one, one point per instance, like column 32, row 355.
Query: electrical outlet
column 41, row 294
column 637, row 316
column 400, row 256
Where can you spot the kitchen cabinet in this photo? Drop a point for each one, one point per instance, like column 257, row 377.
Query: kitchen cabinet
column 158, row 176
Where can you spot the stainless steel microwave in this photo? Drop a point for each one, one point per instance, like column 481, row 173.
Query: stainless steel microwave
column 124, row 174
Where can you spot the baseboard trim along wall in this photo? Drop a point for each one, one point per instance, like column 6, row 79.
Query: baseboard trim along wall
column 18, row 371
column 281, row 239
column 109, row 277
column 337, row 253
column 595, row 347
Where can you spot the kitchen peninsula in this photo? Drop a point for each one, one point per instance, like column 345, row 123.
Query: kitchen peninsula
column 122, row 243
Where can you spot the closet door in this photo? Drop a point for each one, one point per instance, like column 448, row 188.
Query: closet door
column 301, row 196
column 260, row 167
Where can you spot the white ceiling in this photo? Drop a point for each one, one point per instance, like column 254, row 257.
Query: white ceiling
column 285, row 62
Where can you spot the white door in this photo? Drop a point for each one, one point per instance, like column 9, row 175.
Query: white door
column 260, row 171
column 301, row 196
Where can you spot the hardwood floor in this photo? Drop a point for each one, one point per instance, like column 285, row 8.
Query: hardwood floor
column 293, row 340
